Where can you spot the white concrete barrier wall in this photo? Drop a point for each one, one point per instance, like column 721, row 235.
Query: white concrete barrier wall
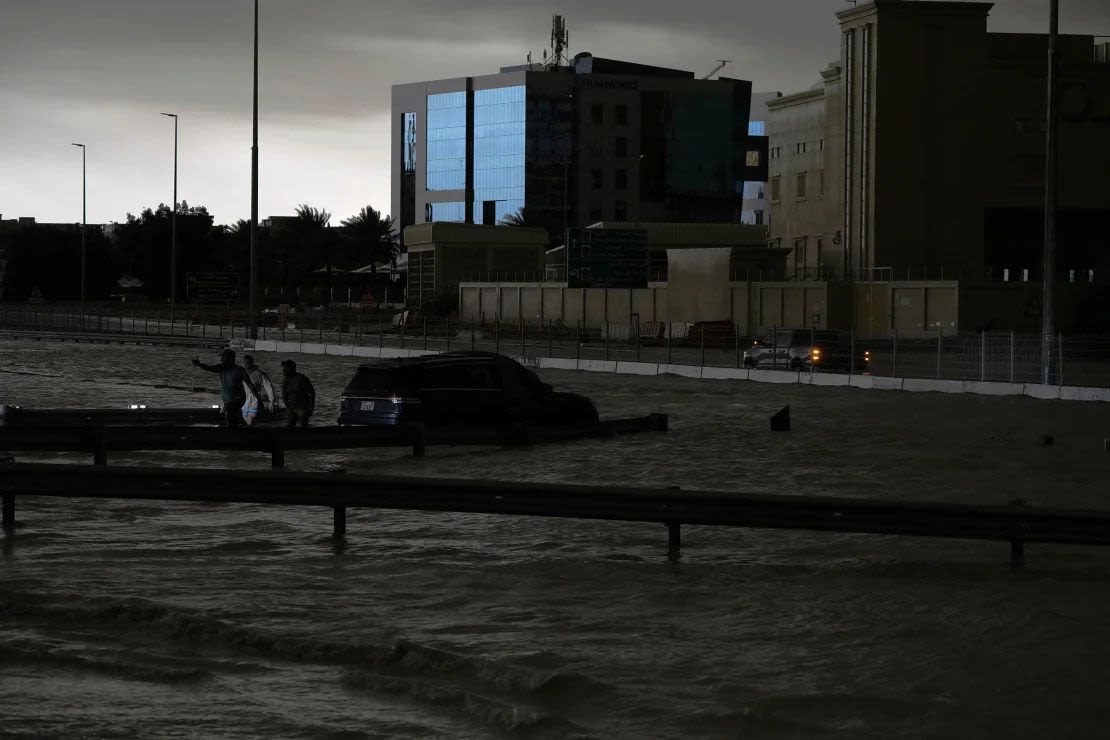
column 867, row 382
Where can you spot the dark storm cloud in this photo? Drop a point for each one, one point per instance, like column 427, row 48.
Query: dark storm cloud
column 101, row 70
column 338, row 57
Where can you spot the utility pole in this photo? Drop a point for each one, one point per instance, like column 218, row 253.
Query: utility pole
column 1048, row 328
column 84, row 202
column 173, row 224
column 252, row 321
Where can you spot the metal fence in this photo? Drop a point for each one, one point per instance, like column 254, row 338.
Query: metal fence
column 1076, row 360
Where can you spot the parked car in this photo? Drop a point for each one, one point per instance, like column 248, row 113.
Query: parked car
column 457, row 388
column 807, row 349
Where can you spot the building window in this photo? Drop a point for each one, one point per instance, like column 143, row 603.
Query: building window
column 820, row 183
column 622, row 114
column 620, row 210
column 446, row 141
column 620, row 178
column 620, row 146
column 408, row 142
column 595, row 178
column 800, row 186
column 820, row 145
column 499, row 128
column 820, row 244
column 445, row 212
column 801, row 147
column 757, row 128
column 758, row 216
column 597, row 114
column 776, row 182
column 799, row 257
column 751, row 158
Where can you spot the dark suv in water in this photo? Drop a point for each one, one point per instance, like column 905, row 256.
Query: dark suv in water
column 457, row 388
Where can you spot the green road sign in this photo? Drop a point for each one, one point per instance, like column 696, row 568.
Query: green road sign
column 607, row 258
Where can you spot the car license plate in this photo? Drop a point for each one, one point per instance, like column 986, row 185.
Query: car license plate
column 367, row 405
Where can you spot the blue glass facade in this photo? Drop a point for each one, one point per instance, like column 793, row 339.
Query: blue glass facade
column 447, row 141
column 499, row 144
column 451, row 211
column 756, row 128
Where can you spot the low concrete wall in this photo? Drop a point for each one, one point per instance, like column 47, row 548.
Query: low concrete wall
column 867, row 382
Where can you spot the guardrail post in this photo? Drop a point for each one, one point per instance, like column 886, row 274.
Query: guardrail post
column 894, row 354
column 277, row 451
column 100, row 451
column 448, row 333
column 404, row 320
column 636, row 337
column 320, row 328
column 669, row 330
column 940, row 348
column 852, row 351
column 1011, row 355
column 983, row 355
column 9, row 513
column 358, row 327
column 577, row 342
column 417, row 433
column 607, row 340
column 339, row 522
column 549, row 338
column 1017, row 545
column 701, row 336
column 424, row 324
column 1060, row 359
column 736, row 340
column 674, row 540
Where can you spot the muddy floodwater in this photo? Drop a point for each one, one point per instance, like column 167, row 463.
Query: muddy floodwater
column 144, row 619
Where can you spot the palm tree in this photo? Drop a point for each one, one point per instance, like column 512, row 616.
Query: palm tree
column 518, row 217
column 372, row 236
column 312, row 219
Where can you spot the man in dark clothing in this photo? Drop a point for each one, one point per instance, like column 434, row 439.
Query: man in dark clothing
column 298, row 395
column 233, row 378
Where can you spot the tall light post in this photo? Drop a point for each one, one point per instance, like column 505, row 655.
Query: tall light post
column 253, row 308
column 84, row 213
column 1048, row 313
column 173, row 223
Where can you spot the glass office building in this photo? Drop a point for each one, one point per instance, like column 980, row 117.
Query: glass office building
column 564, row 147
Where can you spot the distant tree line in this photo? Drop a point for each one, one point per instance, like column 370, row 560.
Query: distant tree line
column 304, row 251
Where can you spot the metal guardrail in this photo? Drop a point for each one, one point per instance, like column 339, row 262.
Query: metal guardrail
column 99, row 440
column 673, row 507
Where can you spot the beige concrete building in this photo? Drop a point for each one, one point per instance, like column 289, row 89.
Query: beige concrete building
column 952, row 183
column 441, row 255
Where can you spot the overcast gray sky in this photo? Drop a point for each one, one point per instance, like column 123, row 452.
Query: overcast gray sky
column 99, row 72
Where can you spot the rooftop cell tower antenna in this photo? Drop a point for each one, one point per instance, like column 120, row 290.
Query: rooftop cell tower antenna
column 560, row 40
column 720, row 65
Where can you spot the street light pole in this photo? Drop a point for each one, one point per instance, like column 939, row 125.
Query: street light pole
column 84, row 213
column 1048, row 314
column 173, row 224
column 252, row 310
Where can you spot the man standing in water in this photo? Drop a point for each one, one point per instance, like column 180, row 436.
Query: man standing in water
column 298, row 395
column 233, row 378
column 255, row 402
